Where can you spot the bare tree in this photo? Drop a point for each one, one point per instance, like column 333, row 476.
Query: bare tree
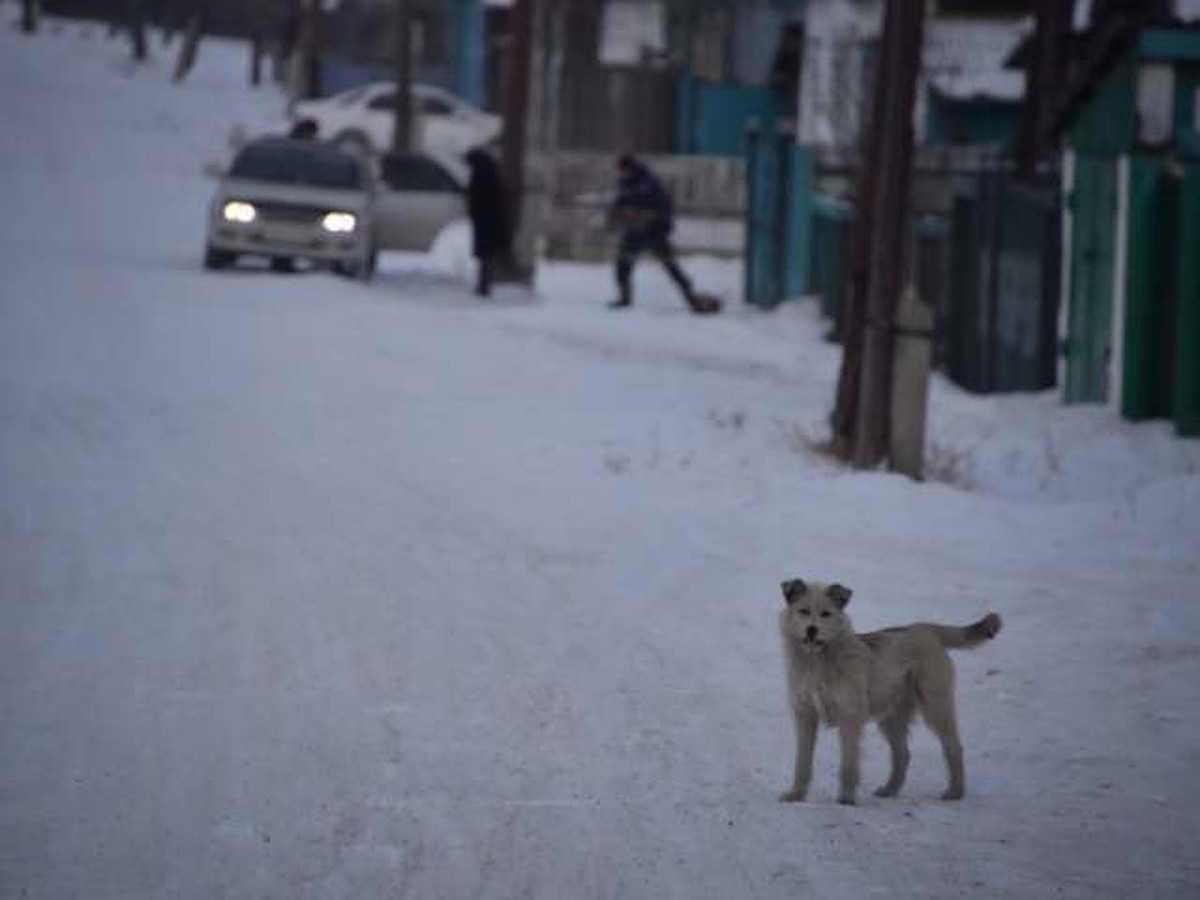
column 137, row 28
column 258, row 17
column 31, row 15
column 191, row 40
column 168, row 20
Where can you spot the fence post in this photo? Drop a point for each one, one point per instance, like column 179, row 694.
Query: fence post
column 799, row 224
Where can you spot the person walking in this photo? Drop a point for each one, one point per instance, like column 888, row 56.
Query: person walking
column 487, row 208
column 645, row 213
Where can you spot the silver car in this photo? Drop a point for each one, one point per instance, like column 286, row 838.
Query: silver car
column 287, row 199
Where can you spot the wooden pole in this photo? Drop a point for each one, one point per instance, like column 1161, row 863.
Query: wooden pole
column 513, row 140
column 905, row 25
column 861, row 414
column 1044, row 80
column 516, row 104
column 845, row 413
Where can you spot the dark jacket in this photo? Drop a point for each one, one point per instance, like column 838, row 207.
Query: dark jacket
column 487, row 206
column 642, row 205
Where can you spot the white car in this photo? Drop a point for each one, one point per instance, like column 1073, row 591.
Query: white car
column 363, row 119
column 286, row 199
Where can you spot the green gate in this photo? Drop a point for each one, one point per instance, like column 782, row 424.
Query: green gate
column 779, row 200
column 1089, row 333
column 1001, row 311
column 1153, row 248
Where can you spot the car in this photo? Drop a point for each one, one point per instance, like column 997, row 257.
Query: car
column 363, row 119
column 287, row 199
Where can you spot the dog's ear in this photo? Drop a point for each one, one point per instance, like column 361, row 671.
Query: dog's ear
column 793, row 588
column 839, row 594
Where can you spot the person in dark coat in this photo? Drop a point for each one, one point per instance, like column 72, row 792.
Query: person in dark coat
column 645, row 213
column 487, row 207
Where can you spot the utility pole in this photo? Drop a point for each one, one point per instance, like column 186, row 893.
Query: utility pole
column 879, row 247
column 402, row 129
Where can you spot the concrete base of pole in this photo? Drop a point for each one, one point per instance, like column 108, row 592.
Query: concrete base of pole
column 911, row 360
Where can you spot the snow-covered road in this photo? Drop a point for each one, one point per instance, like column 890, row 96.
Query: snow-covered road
column 314, row 589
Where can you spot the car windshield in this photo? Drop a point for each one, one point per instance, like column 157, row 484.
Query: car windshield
column 297, row 162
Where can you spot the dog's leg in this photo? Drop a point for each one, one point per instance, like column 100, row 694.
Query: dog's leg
column 806, row 740
column 937, row 707
column 895, row 729
column 850, row 732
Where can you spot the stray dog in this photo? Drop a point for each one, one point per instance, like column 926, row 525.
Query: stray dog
column 847, row 679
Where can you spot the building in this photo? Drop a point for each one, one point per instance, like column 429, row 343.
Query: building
column 1131, row 324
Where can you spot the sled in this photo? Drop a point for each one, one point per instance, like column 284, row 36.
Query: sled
column 705, row 304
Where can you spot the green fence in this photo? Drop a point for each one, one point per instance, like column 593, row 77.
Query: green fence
column 1161, row 364
column 1186, row 406
column 829, row 257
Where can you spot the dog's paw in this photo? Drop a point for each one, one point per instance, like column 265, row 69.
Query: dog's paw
column 792, row 797
column 953, row 794
column 847, row 799
column 886, row 790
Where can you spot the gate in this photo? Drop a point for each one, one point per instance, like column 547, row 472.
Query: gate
column 1089, row 344
column 779, row 202
column 1002, row 307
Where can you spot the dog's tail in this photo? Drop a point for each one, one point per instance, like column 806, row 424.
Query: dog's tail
column 964, row 637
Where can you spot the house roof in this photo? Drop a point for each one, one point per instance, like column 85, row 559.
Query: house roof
column 1109, row 45
column 965, row 58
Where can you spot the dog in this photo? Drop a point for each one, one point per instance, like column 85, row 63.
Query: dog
column 847, row 679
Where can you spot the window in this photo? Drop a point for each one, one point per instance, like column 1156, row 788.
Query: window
column 413, row 172
column 295, row 162
column 385, row 101
column 434, row 106
column 1155, row 103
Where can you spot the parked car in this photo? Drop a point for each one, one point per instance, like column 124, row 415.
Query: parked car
column 288, row 199
column 363, row 118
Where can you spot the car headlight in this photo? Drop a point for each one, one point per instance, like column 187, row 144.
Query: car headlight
column 339, row 222
column 239, row 211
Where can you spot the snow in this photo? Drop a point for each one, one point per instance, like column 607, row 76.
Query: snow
column 964, row 58
column 315, row 589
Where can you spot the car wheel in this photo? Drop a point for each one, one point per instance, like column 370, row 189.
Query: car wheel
column 363, row 270
column 367, row 269
column 218, row 259
column 355, row 142
column 282, row 264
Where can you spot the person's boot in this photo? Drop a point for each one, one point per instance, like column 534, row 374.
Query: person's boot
column 624, row 277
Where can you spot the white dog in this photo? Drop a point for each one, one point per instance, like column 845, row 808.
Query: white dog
column 847, row 679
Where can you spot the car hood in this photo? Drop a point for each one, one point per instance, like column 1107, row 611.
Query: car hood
column 299, row 194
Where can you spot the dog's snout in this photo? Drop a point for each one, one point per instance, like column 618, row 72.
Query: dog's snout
column 811, row 631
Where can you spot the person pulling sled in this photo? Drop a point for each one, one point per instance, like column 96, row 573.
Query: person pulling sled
column 645, row 214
